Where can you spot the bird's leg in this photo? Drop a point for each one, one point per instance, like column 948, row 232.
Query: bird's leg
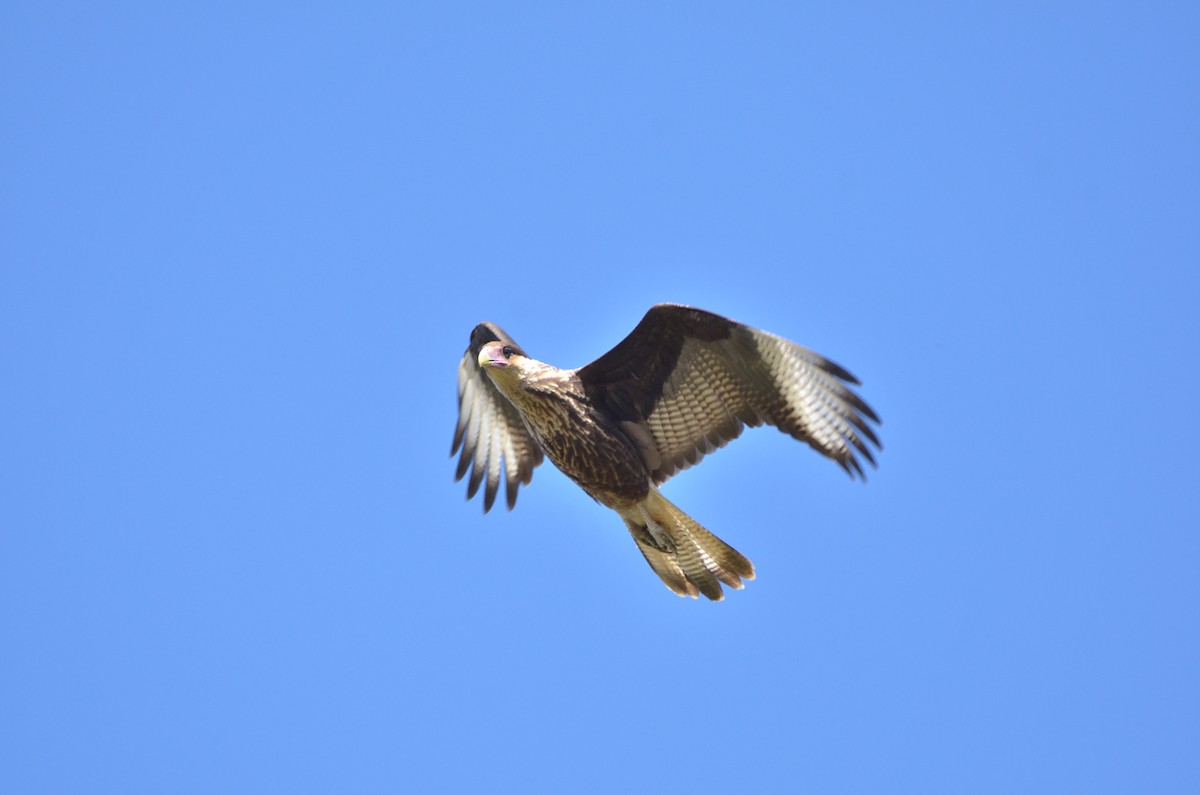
column 654, row 536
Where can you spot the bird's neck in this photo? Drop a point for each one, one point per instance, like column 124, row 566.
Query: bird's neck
column 534, row 381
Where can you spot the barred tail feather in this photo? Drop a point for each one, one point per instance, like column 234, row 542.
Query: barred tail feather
column 689, row 559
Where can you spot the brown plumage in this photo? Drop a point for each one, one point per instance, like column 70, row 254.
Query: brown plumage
column 682, row 384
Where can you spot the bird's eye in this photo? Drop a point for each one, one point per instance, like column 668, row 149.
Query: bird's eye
column 508, row 352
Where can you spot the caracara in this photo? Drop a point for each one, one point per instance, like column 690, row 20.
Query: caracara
column 682, row 384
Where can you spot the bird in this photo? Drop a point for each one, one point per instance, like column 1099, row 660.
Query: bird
column 682, row 384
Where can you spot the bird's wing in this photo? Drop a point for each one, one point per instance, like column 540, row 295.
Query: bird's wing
column 490, row 431
column 686, row 381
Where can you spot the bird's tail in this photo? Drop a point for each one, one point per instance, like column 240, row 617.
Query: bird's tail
column 689, row 559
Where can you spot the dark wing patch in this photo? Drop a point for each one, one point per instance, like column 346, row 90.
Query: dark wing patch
column 490, row 431
column 692, row 380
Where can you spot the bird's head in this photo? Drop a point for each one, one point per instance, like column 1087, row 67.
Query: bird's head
column 500, row 356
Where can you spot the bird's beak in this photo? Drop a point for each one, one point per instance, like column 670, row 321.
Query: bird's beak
column 491, row 356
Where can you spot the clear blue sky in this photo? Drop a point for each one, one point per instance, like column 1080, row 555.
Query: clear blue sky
column 243, row 246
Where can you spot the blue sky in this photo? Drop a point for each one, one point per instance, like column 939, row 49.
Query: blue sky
column 242, row 248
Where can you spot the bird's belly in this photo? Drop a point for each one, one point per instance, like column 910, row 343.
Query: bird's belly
column 599, row 459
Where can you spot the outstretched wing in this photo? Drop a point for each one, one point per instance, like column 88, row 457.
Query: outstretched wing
column 686, row 381
column 490, row 431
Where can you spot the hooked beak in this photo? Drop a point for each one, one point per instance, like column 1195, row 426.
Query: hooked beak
column 492, row 355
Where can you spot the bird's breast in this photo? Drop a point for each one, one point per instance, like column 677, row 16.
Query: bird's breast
column 586, row 445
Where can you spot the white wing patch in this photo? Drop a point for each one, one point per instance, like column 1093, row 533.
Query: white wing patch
column 820, row 408
column 492, row 437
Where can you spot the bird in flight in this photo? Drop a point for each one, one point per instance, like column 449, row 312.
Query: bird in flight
column 682, row 384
